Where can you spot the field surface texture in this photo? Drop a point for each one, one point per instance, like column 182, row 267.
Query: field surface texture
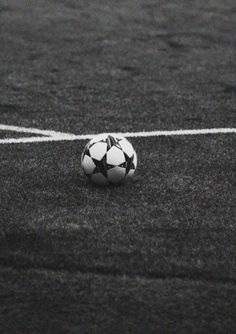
column 156, row 255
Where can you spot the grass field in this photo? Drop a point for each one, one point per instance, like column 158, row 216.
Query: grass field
column 156, row 255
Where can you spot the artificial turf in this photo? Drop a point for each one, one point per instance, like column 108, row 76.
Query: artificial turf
column 166, row 240
column 87, row 67
column 63, row 302
column 156, row 255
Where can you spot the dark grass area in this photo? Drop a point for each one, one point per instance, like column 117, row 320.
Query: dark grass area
column 156, row 255
column 85, row 303
column 176, row 218
column 145, row 64
column 87, row 259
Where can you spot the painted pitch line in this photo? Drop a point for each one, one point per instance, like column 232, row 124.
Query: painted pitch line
column 68, row 137
column 25, row 140
column 49, row 133
column 180, row 132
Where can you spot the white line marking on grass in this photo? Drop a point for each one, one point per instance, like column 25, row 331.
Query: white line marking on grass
column 25, row 140
column 180, row 132
column 49, row 133
column 58, row 136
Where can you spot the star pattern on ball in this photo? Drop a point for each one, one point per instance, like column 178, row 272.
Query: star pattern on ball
column 109, row 159
column 101, row 166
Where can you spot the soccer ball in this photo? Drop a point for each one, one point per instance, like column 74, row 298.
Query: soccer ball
column 109, row 159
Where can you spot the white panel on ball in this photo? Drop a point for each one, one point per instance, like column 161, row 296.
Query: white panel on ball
column 98, row 150
column 116, row 174
column 135, row 161
column 127, row 147
column 115, row 156
column 88, row 165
